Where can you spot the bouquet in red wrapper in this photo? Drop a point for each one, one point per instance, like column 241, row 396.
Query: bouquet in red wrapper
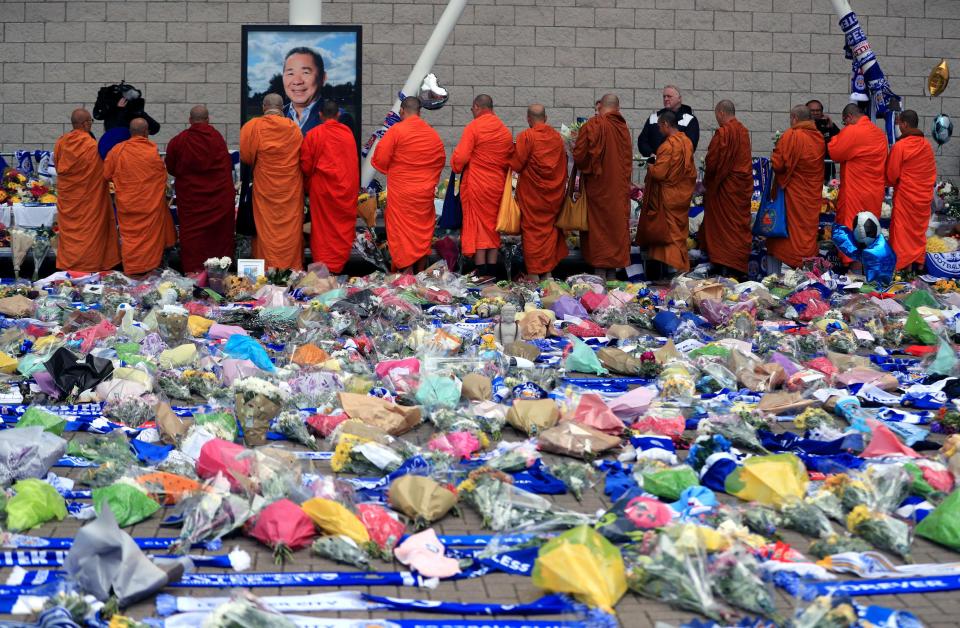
column 385, row 529
column 284, row 527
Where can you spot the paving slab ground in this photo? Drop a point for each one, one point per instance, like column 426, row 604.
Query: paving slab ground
column 933, row 609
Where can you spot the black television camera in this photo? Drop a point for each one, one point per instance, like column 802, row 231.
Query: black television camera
column 109, row 109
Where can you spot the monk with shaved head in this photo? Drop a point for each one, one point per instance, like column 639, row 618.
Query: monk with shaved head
column 603, row 155
column 482, row 156
column 202, row 170
column 411, row 154
column 331, row 173
column 540, row 160
column 88, row 232
column 140, row 183
column 728, row 176
column 912, row 171
column 271, row 145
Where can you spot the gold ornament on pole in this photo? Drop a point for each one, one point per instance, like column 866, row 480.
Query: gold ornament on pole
column 938, row 79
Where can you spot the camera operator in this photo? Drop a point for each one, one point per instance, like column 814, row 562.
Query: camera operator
column 118, row 104
column 827, row 129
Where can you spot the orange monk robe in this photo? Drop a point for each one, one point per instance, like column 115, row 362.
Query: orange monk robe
column 797, row 162
column 88, row 231
column 271, row 144
column 411, row 154
column 912, row 171
column 668, row 189
column 140, row 184
column 861, row 151
column 540, row 158
column 331, row 171
column 604, row 154
column 728, row 176
column 485, row 146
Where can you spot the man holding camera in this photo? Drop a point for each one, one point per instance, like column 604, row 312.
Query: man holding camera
column 827, row 129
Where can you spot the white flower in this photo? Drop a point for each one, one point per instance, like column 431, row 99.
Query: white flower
column 257, row 386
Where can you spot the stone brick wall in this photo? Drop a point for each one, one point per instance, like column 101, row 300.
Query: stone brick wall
column 765, row 55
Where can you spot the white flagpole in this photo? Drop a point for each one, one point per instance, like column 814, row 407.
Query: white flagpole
column 428, row 56
column 305, row 12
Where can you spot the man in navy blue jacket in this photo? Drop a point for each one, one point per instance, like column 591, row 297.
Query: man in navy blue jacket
column 651, row 137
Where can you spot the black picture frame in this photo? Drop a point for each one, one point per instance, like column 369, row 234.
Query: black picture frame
column 349, row 96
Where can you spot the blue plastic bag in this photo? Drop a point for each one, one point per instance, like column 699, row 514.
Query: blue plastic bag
column 771, row 221
column 666, row 323
column 244, row 347
column 452, row 215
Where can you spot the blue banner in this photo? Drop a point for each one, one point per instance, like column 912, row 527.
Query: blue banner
column 882, row 586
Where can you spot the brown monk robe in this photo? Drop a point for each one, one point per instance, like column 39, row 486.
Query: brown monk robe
column 200, row 164
column 540, row 159
column 88, row 231
column 140, row 184
column 604, row 154
column 728, row 176
column 668, row 189
column 797, row 162
column 271, row 144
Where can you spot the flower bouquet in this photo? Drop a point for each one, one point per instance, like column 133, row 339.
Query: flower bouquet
column 172, row 326
column 202, row 383
column 21, row 240
column 828, row 502
column 805, row 518
column 814, row 418
column 739, row 432
column 880, row 530
column 284, row 527
column 132, row 412
column 676, row 578
column 576, row 475
column 364, row 457
column 212, row 514
column 504, row 507
column 837, row 544
column 341, row 549
column 734, row 576
column 293, row 427
column 761, row 520
column 172, row 384
column 257, row 402
column 42, row 243
column 827, row 612
column 246, row 611
column 217, row 268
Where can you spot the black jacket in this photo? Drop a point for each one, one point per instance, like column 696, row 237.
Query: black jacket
column 650, row 137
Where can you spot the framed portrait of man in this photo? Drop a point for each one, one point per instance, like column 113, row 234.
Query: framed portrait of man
column 306, row 65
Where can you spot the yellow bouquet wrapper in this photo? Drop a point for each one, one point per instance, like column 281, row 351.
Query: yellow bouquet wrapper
column 775, row 479
column 333, row 518
column 178, row 356
column 198, row 325
column 8, row 364
column 584, row 564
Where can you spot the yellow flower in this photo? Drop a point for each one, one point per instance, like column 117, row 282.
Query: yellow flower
column 48, row 199
column 341, row 455
column 857, row 516
column 466, row 486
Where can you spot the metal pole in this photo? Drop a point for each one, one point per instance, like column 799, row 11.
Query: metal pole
column 428, row 56
column 305, row 12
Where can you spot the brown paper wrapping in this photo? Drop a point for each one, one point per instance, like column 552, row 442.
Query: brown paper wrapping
column 535, row 325
column 16, row 306
column 391, row 418
column 171, row 427
column 367, row 209
column 476, row 387
column 784, row 402
column 421, row 498
column 522, row 349
column 574, row 439
column 618, row 361
column 255, row 415
column 708, row 290
column 845, row 362
column 532, row 416
column 880, row 379
column 667, row 352
column 622, row 332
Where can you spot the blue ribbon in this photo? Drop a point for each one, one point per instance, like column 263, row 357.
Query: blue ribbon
column 55, row 558
column 22, row 541
column 547, row 605
column 881, row 586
